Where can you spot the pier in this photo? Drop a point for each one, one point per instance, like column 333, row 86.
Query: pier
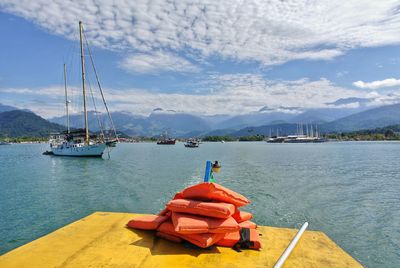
column 102, row 240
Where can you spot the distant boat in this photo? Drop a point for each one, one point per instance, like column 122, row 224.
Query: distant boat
column 276, row 139
column 192, row 143
column 80, row 142
column 165, row 140
column 299, row 139
column 310, row 136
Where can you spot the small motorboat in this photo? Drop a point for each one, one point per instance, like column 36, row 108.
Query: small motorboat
column 192, row 143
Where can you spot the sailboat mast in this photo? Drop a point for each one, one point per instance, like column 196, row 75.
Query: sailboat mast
column 66, row 96
column 83, row 85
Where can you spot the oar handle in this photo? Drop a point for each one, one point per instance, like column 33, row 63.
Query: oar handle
column 291, row 246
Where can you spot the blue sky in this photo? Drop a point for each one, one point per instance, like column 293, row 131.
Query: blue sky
column 202, row 57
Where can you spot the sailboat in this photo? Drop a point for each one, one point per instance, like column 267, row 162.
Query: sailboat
column 166, row 140
column 80, row 142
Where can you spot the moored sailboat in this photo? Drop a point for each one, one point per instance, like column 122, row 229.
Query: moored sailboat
column 80, row 142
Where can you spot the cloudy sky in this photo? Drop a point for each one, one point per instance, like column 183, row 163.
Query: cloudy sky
column 202, row 57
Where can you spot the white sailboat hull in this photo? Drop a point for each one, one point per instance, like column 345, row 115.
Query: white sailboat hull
column 86, row 150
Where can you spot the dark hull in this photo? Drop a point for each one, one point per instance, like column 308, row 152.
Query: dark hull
column 299, row 141
column 168, row 142
column 319, row 140
column 276, row 141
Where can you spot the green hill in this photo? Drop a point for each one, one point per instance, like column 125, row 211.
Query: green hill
column 384, row 133
column 369, row 119
column 19, row 123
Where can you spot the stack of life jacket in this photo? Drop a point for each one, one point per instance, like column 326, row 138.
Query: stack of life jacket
column 205, row 214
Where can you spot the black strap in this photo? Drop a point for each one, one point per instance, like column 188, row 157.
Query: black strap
column 244, row 241
column 236, row 248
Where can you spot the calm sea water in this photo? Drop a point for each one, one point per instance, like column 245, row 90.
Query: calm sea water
column 350, row 191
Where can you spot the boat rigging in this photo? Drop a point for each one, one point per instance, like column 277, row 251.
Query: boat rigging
column 80, row 142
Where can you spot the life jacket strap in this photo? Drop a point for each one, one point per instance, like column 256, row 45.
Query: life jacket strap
column 244, row 242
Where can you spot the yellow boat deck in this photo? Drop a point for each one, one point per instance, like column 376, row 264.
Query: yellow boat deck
column 102, row 240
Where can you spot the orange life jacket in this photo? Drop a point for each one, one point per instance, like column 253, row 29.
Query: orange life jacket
column 200, row 240
column 210, row 209
column 147, row 222
column 229, row 240
column 248, row 224
column 169, row 237
column 241, row 216
column 192, row 224
column 249, row 239
column 213, row 192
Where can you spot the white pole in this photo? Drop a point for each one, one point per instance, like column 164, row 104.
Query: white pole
column 83, row 85
column 66, row 96
column 291, row 246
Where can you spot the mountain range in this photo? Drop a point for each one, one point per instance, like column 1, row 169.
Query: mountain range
column 262, row 122
column 179, row 124
column 369, row 119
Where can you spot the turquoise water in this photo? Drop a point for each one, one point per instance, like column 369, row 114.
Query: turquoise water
column 350, row 191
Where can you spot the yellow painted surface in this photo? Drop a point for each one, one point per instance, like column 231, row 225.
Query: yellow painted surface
column 101, row 240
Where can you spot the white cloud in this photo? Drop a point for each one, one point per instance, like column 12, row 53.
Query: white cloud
column 156, row 62
column 269, row 32
column 47, row 101
column 48, row 91
column 390, row 82
column 226, row 94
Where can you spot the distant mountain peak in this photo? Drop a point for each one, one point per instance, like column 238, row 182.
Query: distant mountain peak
column 162, row 111
column 281, row 109
column 266, row 109
column 351, row 100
